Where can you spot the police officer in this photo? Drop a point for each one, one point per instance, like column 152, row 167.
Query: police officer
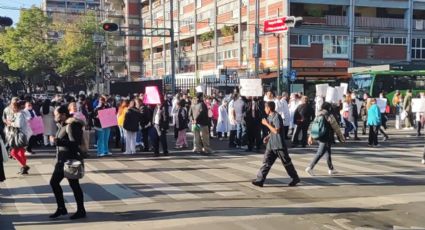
column 275, row 147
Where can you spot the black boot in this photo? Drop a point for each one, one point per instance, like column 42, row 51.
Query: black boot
column 79, row 214
column 59, row 212
column 25, row 170
column 258, row 183
column 294, row 182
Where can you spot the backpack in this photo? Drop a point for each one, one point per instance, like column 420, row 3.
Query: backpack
column 318, row 128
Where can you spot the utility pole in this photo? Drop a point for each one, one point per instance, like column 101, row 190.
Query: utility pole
column 278, row 59
column 257, row 46
column 173, row 62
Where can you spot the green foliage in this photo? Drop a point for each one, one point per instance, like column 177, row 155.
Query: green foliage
column 26, row 46
column 227, row 31
column 76, row 50
column 207, row 36
column 314, row 12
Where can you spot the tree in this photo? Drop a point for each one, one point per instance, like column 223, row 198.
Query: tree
column 26, row 47
column 76, row 50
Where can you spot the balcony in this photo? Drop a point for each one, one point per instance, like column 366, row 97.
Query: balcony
column 394, row 23
column 227, row 39
column 157, row 55
column 116, row 59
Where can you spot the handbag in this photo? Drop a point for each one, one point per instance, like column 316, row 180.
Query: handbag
column 15, row 138
column 73, row 169
column 3, row 151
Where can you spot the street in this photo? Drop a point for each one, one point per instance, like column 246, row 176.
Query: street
column 375, row 188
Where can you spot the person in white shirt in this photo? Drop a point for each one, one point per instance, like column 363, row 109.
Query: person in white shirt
column 29, row 114
column 294, row 101
column 232, row 123
column 285, row 114
column 239, row 107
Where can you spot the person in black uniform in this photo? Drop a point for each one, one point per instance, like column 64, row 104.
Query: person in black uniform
column 68, row 138
column 275, row 147
column 304, row 115
column 253, row 117
column 160, row 120
column 145, row 124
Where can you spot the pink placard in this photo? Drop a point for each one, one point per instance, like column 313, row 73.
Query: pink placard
column 152, row 96
column 107, row 117
column 36, row 125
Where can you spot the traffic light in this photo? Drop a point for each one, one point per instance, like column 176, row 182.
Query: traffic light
column 292, row 21
column 6, row 21
column 110, row 27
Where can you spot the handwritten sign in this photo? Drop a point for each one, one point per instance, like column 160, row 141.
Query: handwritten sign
column 382, row 104
column 152, row 96
column 321, row 90
column 251, row 87
column 107, row 118
column 418, row 105
column 345, row 88
column 36, row 125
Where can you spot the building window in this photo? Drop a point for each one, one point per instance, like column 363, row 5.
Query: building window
column 227, row 55
column 362, row 40
column 418, row 48
column 227, row 7
column 300, row 40
column 392, row 41
column 335, row 46
column 316, row 39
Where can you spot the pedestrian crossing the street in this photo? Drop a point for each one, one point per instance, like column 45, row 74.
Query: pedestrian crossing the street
column 181, row 177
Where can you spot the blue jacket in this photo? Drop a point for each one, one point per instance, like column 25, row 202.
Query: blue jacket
column 373, row 116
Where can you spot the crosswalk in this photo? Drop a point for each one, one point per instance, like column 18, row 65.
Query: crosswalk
column 141, row 180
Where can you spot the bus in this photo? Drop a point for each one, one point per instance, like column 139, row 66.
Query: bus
column 376, row 79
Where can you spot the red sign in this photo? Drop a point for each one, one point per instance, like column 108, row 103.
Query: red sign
column 275, row 25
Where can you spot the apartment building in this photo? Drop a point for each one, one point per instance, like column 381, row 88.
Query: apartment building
column 216, row 35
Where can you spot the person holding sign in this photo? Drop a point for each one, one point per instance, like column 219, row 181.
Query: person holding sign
column 102, row 133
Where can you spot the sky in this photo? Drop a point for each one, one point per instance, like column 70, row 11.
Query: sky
column 10, row 8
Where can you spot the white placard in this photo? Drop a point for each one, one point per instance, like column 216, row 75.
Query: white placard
column 199, row 89
column 418, row 105
column 321, row 90
column 251, row 87
column 382, row 104
column 331, row 95
column 340, row 93
column 345, row 87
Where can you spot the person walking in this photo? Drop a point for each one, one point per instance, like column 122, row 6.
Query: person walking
column 347, row 116
column 17, row 135
column 407, row 107
column 102, row 133
column 325, row 139
column 214, row 109
column 355, row 116
column 223, row 120
column 363, row 112
column 304, row 114
column 374, row 122
column 132, row 118
column 2, row 148
column 275, row 147
column 68, row 138
column 199, row 117
column 285, row 114
column 420, row 117
column 181, row 124
column 50, row 128
column 161, row 124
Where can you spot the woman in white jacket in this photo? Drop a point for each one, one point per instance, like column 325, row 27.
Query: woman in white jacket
column 223, row 120
column 18, row 122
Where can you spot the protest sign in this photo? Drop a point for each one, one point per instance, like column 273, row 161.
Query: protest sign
column 331, row 95
column 345, row 88
column 36, row 125
column 382, row 104
column 152, row 96
column 251, row 87
column 418, row 105
column 107, row 118
column 321, row 90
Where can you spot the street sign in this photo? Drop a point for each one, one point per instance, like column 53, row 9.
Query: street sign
column 293, row 75
column 98, row 38
column 275, row 25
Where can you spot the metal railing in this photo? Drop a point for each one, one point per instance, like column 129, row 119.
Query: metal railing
column 380, row 22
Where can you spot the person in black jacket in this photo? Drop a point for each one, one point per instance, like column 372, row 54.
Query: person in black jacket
column 198, row 114
column 181, row 125
column 303, row 116
column 161, row 118
column 68, row 138
column 2, row 176
column 145, row 124
column 131, row 120
column 253, row 118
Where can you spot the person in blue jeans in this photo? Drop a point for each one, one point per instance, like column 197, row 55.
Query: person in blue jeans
column 103, row 134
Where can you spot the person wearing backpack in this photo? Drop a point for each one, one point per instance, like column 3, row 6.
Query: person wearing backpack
column 322, row 130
